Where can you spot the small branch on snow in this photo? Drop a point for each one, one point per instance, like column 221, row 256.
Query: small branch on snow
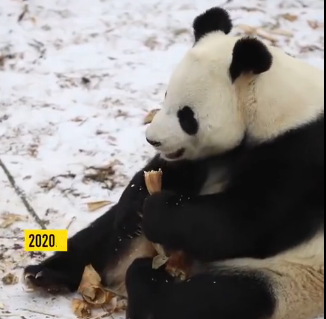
column 22, row 196
column 39, row 313
column 12, row 237
column 24, row 12
column 226, row 3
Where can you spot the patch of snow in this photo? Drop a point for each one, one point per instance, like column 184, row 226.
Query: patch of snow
column 76, row 80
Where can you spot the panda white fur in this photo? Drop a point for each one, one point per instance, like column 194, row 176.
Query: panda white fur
column 240, row 140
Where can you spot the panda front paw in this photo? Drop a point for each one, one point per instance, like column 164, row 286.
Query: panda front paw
column 40, row 278
column 56, row 275
column 160, row 211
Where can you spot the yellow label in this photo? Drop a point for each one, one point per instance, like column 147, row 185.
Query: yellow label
column 46, row 240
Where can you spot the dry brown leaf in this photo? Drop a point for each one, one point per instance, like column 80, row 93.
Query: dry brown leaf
column 152, row 42
column 77, row 119
column 150, row 116
column 263, row 34
column 116, row 305
column 178, row 266
column 101, row 174
column 247, row 29
column 290, row 17
column 81, row 309
column 10, row 219
column 10, row 280
column 34, row 20
column 94, row 206
column 316, row 25
column 284, row 33
column 91, row 289
column 111, row 307
column 160, row 260
column 122, row 305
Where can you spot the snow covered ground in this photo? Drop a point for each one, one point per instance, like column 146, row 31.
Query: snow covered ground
column 77, row 78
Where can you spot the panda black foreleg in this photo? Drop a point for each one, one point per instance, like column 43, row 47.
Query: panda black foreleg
column 102, row 244
column 222, row 294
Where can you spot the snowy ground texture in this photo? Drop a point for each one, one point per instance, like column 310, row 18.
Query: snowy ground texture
column 77, row 78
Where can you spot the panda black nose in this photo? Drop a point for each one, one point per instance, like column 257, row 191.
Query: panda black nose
column 154, row 143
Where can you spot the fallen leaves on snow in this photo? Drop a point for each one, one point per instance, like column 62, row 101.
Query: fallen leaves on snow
column 91, row 289
column 316, row 25
column 102, row 174
column 150, row 116
column 10, row 219
column 95, row 296
column 81, row 309
column 290, row 17
column 265, row 34
column 10, row 280
column 94, row 206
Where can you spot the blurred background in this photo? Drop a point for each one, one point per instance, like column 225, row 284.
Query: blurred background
column 77, row 78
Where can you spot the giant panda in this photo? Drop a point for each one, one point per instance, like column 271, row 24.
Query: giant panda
column 240, row 141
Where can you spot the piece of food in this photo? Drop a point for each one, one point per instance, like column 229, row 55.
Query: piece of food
column 153, row 181
column 175, row 263
column 160, row 260
column 178, row 266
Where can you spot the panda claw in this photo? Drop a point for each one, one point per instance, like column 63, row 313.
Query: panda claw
column 28, row 276
column 39, row 275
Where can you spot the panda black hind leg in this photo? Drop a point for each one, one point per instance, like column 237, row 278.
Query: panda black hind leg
column 223, row 294
column 94, row 245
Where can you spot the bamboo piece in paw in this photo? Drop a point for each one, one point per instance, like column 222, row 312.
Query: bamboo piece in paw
column 175, row 263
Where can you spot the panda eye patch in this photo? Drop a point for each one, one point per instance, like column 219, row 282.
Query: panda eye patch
column 188, row 121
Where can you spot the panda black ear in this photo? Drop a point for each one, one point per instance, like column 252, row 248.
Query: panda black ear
column 215, row 19
column 250, row 55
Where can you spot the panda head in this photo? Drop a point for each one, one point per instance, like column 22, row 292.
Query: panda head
column 213, row 96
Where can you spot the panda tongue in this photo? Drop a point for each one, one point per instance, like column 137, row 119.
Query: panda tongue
column 176, row 154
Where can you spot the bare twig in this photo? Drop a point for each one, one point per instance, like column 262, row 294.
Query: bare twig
column 248, row 9
column 226, row 3
column 39, row 313
column 71, row 222
column 22, row 196
column 12, row 237
column 24, row 12
column 107, row 315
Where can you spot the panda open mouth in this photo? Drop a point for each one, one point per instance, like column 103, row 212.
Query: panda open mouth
column 175, row 155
